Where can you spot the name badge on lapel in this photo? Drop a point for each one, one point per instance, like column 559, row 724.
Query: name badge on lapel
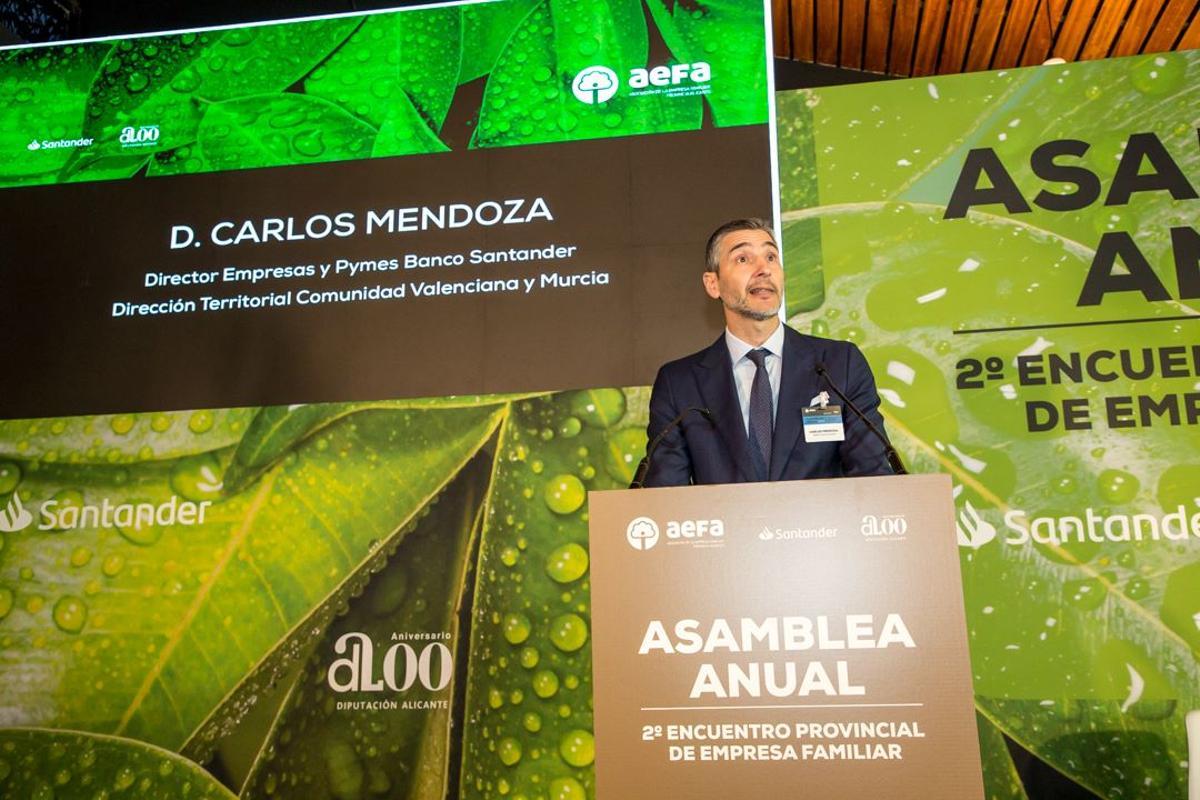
column 823, row 424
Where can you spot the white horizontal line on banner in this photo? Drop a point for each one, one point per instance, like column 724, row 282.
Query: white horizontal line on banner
column 816, row 705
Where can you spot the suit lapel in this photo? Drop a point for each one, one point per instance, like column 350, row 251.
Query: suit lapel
column 798, row 369
column 714, row 376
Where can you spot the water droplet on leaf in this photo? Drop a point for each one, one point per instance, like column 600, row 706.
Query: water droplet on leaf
column 509, row 751
column 545, row 684
column 10, row 476
column 567, row 563
column 568, row 632
column 517, row 628
column 567, row 789
column 578, row 748
column 564, row 494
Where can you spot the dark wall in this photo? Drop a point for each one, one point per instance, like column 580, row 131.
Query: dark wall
column 56, row 20
column 799, row 75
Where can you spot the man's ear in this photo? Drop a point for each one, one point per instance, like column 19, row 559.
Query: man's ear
column 712, row 285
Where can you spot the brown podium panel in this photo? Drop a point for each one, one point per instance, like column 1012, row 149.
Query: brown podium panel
column 801, row 639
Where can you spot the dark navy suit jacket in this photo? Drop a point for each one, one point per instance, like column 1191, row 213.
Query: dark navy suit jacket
column 699, row 451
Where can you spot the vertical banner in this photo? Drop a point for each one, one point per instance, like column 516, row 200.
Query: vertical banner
column 1017, row 255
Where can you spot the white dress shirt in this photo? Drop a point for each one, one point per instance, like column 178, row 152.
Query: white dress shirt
column 744, row 369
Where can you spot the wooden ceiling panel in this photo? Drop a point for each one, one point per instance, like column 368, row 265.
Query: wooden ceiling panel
column 1191, row 37
column 1104, row 30
column 829, row 28
column 1074, row 29
column 923, row 37
column 904, row 36
column 1046, row 20
column 781, row 24
column 854, row 21
column 987, row 31
column 1169, row 25
column 1136, row 27
column 1016, row 30
column 929, row 37
column 879, row 27
column 958, row 33
column 802, row 30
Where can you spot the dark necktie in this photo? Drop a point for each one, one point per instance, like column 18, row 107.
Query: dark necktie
column 760, row 413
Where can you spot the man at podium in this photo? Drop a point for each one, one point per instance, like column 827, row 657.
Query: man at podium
column 763, row 402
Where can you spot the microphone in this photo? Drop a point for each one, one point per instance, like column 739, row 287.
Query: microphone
column 639, row 477
column 893, row 457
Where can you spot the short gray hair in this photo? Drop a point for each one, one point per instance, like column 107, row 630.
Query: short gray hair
column 712, row 258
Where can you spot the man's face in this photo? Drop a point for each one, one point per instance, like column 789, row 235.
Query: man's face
column 750, row 279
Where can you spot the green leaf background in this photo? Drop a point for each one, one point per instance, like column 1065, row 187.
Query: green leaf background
column 214, row 640
column 1056, row 631
column 44, row 764
column 189, row 622
column 487, row 27
column 529, row 99
column 529, row 700
column 44, row 95
column 718, row 29
column 169, row 81
column 402, row 753
column 371, row 86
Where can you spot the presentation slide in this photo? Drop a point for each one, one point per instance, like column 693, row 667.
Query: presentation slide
column 452, row 200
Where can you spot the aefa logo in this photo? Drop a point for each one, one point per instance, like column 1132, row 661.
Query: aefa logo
column 886, row 526
column 598, row 83
column 675, row 75
column 57, row 516
column 403, row 666
column 595, row 84
column 642, row 533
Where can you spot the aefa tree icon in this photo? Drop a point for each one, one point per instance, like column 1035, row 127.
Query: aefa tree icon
column 595, row 80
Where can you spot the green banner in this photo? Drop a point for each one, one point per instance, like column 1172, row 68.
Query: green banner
column 1016, row 254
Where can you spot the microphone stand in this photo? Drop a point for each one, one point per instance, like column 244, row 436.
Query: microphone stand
column 639, row 477
column 893, row 458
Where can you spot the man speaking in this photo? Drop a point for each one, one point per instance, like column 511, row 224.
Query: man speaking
column 762, row 402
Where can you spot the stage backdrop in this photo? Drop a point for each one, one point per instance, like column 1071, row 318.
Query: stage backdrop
column 240, row 554
column 1017, row 254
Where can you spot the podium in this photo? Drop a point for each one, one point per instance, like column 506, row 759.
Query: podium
column 801, row 639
